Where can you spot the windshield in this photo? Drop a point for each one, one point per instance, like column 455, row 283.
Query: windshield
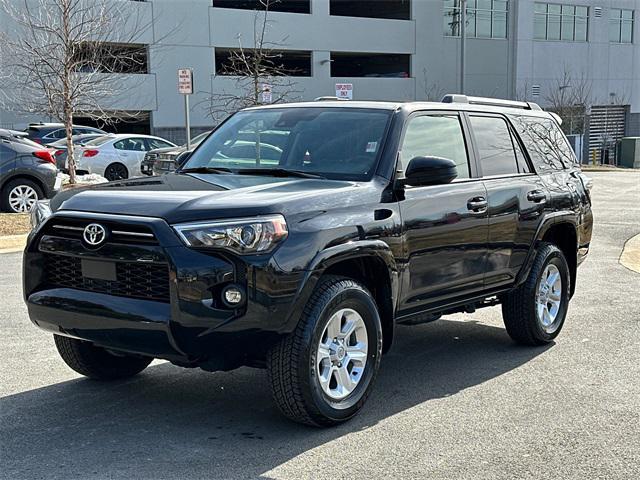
column 96, row 142
column 337, row 143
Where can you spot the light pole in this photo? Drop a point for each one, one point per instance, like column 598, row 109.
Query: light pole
column 463, row 42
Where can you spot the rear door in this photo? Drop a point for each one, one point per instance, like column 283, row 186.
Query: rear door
column 516, row 196
column 445, row 227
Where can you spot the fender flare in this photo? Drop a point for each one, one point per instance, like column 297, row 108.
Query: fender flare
column 549, row 220
column 334, row 255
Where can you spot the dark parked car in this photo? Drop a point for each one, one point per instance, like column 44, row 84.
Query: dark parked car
column 163, row 160
column 46, row 133
column 60, row 147
column 27, row 172
column 375, row 214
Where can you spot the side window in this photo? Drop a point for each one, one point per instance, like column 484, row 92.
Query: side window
column 497, row 155
column 130, row 144
column 155, row 143
column 545, row 142
column 436, row 136
column 523, row 165
column 60, row 133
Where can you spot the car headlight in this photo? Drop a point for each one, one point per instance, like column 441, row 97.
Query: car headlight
column 244, row 236
column 39, row 213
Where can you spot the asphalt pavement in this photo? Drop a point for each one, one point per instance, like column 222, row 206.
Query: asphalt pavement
column 455, row 399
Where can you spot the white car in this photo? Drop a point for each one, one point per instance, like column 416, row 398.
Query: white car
column 119, row 156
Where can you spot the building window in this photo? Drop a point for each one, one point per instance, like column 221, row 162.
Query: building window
column 393, row 9
column 553, row 21
column 291, row 63
column 387, row 65
column 484, row 18
column 291, row 6
column 112, row 58
column 620, row 26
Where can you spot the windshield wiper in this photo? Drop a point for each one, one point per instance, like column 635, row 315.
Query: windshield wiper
column 277, row 172
column 206, row 170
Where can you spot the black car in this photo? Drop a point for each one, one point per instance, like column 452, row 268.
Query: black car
column 163, row 160
column 375, row 214
column 27, row 172
column 46, row 133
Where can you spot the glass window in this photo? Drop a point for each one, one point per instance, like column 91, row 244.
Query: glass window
column 154, row 143
column 484, row 18
column 566, row 22
column 337, row 143
column 546, row 144
column 436, row 136
column 497, row 155
column 621, row 25
column 131, row 144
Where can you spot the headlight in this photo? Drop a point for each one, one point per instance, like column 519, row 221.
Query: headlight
column 39, row 213
column 245, row 236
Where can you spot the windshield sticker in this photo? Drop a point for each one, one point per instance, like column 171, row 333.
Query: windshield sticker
column 372, row 147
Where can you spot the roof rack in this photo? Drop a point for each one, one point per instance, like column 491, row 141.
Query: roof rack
column 496, row 102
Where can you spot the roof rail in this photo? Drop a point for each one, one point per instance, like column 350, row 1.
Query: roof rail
column 496, row 102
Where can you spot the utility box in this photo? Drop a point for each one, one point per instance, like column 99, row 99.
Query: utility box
column 629, row 152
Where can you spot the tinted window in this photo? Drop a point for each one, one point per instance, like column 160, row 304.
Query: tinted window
column 497, row 155
column 131, row 144
column 436, row 136
column 546, row 144
column 340, row 143
column 60, row 133
column 155, row 143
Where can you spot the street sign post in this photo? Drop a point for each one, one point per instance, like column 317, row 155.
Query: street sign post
column 266, row 92
column 344, row 91
column 185, row 87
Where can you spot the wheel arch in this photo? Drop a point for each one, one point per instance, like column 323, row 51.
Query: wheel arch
column 369, row 262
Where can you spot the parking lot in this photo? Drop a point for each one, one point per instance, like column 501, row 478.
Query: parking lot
column 454, row 399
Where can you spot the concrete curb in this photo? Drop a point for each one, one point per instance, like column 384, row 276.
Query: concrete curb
column 630, row 256
column 12, row 243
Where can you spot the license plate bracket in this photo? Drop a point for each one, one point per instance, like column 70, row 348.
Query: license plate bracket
column 99, row 270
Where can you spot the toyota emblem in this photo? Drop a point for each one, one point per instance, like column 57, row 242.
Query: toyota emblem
column 94, row 234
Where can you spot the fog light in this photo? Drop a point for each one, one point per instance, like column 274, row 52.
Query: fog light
column 233, row 296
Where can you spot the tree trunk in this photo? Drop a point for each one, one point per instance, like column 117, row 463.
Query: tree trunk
column 71, row 157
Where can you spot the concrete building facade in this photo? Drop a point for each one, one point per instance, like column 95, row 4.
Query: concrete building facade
column 515, row 49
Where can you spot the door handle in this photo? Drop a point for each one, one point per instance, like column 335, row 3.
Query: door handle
column 477, row 204
column 537, row 196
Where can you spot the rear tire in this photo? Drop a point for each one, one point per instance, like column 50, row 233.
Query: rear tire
column 96, row 362
column 19, row 195
column 534, row 313
column 116, row 171
column 316, row 379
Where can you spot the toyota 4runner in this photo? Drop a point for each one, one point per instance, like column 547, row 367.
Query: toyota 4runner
column 296, row 237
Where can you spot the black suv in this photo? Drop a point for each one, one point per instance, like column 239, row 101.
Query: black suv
column 373, row 214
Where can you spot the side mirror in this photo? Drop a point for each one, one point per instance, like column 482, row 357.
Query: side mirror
column 182, row 158
column 423, row 171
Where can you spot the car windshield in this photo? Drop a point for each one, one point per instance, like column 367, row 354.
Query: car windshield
column 96, row 142
column 337, row 143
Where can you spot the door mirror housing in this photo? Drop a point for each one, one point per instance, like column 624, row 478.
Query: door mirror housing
column 423, row 171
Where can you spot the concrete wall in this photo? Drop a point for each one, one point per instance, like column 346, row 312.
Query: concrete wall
column 186, row 32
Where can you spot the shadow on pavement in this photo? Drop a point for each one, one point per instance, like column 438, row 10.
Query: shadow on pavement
column 175, row 423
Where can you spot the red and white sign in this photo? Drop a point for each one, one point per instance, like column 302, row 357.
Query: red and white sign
column 344, row 91
column 185, row 81
column 266, row 92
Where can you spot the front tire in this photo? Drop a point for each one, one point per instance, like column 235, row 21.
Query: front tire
column 20, row 195
column 323, row 372
column 534, row 313
column 96, row 362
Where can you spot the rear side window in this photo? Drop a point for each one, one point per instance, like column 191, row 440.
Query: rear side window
column 60, row 133
column 546, row 144
column 131, row 144
column 436, row 136
column 495, row 147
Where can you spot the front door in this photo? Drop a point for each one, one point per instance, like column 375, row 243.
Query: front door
column 445, row 227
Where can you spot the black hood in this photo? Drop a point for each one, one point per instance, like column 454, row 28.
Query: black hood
column 195, row 197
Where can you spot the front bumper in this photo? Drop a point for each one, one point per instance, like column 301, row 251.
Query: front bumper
column 186, row 323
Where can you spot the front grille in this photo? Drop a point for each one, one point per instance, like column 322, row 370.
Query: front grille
column 118, row 232
column 133, row 280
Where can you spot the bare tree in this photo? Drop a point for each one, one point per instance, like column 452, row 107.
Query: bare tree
column 569, row 96
column 432, row 90
column 65, row 57
column 258, row 71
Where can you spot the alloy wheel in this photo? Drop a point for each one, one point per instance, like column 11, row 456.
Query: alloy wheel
column 342, row 354
column 22, row 198
column 549, row 298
